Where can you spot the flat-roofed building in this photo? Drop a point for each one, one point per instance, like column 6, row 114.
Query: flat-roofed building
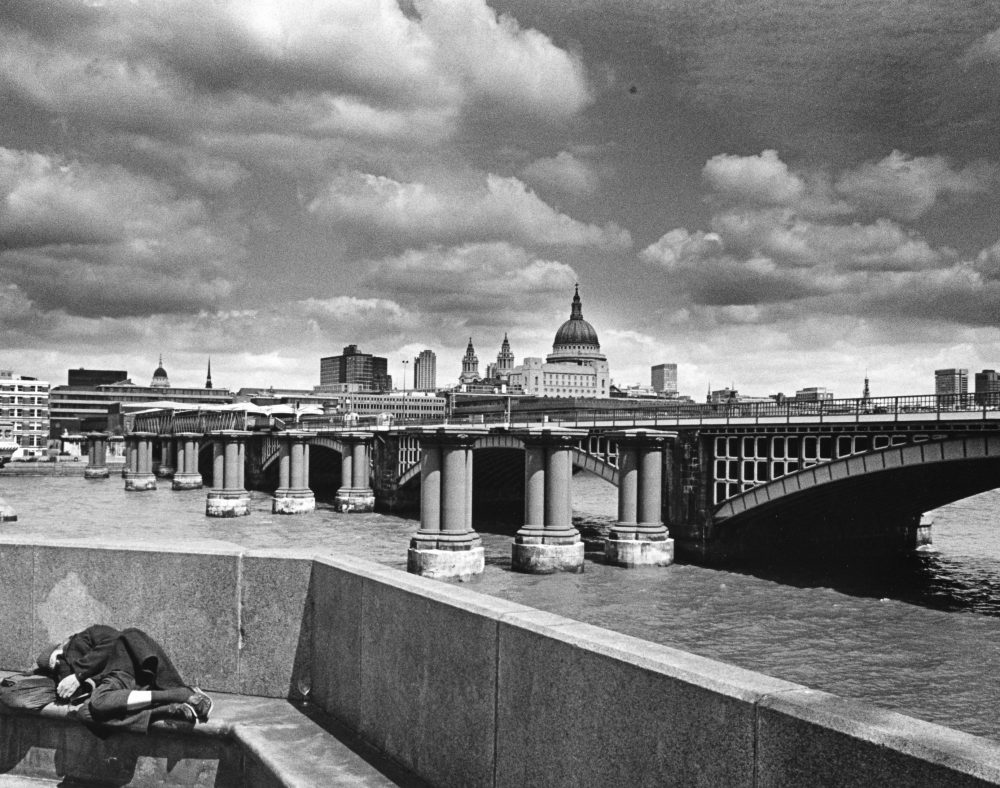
column 663, row 378
column 425, row 371
column 352, row 367
column 951, row 381
column 24, row 415
column 988, row 387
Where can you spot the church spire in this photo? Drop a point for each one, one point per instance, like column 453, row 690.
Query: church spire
column 576, row 312
column 208, row 379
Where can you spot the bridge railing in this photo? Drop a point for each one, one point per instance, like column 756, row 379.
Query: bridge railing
column 650, row 413
column 172, row 422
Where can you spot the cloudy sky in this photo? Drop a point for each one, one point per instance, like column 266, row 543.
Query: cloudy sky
column 770, row 194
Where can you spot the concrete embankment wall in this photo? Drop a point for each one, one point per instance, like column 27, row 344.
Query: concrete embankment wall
column 468, row 690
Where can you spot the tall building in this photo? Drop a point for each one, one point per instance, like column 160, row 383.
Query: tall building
column 951, row 381
column 470, row 365
column 663, row 378
column 425, row 371
column 355, row 371
column 575, row 367
column 988, row 387
column 24, row 414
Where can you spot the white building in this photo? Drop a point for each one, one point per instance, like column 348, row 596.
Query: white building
column 575, row 367
column 24, row 415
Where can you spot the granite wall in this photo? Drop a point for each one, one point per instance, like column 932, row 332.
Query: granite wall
column 468, row 690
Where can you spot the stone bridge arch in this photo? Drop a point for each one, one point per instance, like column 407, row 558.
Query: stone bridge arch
column 870, row 501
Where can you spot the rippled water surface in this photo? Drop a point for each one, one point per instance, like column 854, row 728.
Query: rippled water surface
column 921, row 637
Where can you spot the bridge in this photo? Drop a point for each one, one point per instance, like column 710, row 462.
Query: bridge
column 721, row 482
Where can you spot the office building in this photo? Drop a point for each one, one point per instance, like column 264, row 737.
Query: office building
column 951, row 381
column 354, row 370
column 988, row 387
column 425, row 371
column 664, row 379
column 24, row 415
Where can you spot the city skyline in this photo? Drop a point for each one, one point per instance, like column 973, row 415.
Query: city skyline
column 777, row 195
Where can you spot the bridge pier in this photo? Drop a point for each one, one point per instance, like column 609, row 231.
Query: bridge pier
column 139, row 474
column 97, row 456
column 228, row 496
column 446, row 546
column 355, row 493
column 187, row 476
column 293, row 495
column 640, row 538
column 548, row 542
column 166, row 467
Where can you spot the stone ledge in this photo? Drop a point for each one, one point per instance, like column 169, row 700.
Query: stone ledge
column 248, row 741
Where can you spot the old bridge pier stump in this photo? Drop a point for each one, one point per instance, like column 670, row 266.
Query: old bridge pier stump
column 97, row 456
column 186, row 475
column 139, row 474
column 293, row 495
column 446, row 546
column 228, row 496
column 355, row 493
column 548, row 542
column 639, row 537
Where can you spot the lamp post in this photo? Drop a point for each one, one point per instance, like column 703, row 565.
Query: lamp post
column 405, row 362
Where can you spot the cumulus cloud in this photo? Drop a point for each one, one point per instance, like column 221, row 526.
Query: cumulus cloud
column 906, row 187
column 563, row 172
column 296, row 66
column 765, row 259
column 446, row 284
column 763, row 179
column 97, row 239
column 499, row 209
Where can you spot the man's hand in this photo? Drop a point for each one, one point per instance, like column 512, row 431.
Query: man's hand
column 68, row 686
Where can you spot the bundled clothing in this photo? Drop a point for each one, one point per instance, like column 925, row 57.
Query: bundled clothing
column 110, row 664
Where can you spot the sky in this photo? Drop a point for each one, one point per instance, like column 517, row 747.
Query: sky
column 772, row 195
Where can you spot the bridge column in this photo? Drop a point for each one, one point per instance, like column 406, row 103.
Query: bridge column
column 446, row 546
column 548, row 542
column 187, row 476
column 228, row 498
column 640, row 538
column 355, row 493
column 97, row 456
column 166, row 467
column 293, row 495
column 139, row 474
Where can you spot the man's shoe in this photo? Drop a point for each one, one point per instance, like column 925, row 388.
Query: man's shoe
column 201, row 704
column 180, row 711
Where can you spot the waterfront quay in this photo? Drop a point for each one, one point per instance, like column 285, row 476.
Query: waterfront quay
column 112, row 558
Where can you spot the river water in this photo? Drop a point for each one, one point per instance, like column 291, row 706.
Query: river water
column 921, row 636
